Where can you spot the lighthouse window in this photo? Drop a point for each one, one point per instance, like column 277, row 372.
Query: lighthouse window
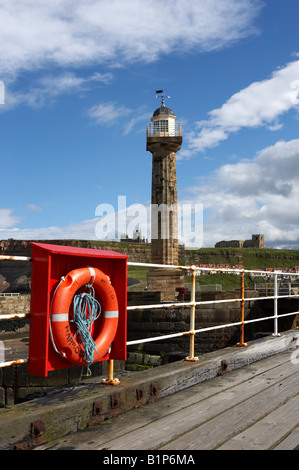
column 161, row 126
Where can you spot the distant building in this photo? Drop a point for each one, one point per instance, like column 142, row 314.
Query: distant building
column 137, row 238
column 257, row 241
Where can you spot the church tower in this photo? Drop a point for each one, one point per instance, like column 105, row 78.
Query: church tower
column 164, row 139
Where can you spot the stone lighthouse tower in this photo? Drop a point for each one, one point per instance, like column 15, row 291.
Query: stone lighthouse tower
column 164, row 139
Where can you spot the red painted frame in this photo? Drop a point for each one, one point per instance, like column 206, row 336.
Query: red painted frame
column 49, row 263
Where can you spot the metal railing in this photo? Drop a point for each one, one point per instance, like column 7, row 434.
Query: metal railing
column 9, row 294
column 193, row 271
column 174, row 130
column 284, row 288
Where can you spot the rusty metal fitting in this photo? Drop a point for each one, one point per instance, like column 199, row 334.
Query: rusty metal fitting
column 192, row 359
column 139, row 397
column 110, row 381
column 154, row 392
column 223, row 368
column 37, row 429
column 97, row 408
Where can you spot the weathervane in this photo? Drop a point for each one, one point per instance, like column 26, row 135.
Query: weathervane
column 161, row 92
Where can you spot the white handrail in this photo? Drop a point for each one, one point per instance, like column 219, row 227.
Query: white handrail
column 194, row 269
column 192, row 304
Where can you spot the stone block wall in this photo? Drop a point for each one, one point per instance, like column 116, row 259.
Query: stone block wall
column 17, row 386
column 19, row 304
column 165, row 281
column 14, row 304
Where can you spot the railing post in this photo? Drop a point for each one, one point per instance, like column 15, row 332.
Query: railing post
column 110, row 380
column 192, row 320
column 276, row 306
column 242, row 343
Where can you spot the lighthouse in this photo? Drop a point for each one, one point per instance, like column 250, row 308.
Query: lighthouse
column 164, row 140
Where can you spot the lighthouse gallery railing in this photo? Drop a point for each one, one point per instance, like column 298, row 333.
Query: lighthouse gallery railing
column 174, row 130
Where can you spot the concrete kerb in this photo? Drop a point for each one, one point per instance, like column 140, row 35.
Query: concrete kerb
column 26, row 425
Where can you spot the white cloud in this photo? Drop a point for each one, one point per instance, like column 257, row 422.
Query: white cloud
column 70, row 81
column 134, row 121
column 108, row 113
column 81, row 230
column 50, row 86
column 71, row 34
column 258, row 195
column 34, row 208
column 260, row 104
column 7, row 219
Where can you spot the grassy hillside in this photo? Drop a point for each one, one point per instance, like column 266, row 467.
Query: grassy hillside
column 249, row 258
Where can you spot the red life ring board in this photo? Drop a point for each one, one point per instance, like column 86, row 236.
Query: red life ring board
column 61, row 328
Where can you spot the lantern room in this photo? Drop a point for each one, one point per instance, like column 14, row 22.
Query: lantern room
column 163, row 122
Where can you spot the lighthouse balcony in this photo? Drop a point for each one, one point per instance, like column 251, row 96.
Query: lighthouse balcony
column 163, row 129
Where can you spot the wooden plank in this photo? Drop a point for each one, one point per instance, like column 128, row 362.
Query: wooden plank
column 143, row 416
column 167, row 428
column 290, row 442
column 264, row 434
column 213, row 433
column 149, row 426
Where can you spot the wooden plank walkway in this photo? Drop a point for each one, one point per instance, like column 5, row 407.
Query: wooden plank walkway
column 253, row 408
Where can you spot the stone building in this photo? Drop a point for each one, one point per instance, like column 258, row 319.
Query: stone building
column 164, row 139
column 257, row 241
column 137, row 237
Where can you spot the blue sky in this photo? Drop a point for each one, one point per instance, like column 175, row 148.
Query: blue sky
column 79, row 89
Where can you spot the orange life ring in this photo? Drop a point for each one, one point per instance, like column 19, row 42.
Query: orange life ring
column 62, row 330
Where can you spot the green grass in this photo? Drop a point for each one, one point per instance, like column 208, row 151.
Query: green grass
column 227, row 281
column 249, row 258
column 139, row 273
